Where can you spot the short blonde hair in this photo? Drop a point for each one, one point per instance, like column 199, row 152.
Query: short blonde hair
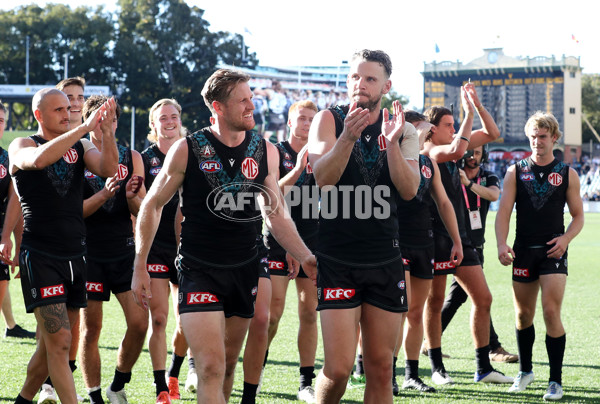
column 543, row 120
column 153, row 136
column 303, row 104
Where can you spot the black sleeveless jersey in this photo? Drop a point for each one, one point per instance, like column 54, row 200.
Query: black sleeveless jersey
column 414, row 217
column 541, row 197
column 306, row 222
column 52, row 204
column 153, row 162
column 451, row 180
column 4, row 183
column 486, row 179
column 358, row 221
column 219, row 198
column 109, row 229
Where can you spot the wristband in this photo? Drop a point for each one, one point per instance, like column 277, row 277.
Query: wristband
column 465, row 139
column 470, row 185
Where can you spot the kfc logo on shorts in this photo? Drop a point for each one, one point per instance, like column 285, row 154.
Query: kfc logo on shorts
column 89, row 175
column 70, row 156
column 276, row 265
column 426, row 172
column 308, row 168
column 155, row 170
column 250, row 168
column 157, row 268
column 382, row 141
column 122, row 172
column 3, row 171
column 201, row 298
column 440, row 266
column 555, row 179
column 402, row 285
column 51, row 291
column 254, row 290
column 339, row 293
column 527, row 177
column 521, row 272
column 95, row 287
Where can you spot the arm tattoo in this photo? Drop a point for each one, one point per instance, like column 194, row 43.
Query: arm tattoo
column 55, row 317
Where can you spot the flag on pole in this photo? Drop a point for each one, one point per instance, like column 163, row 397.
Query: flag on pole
column 574, row 39
column 437, row 48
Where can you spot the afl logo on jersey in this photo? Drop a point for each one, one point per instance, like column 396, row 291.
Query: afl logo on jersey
column 211, row 166
column 154, row 161
column 155, row 170
column 555, row 179
column 122, row 172
column 3, row 171
column 70, row 156
column 250, row 168
column 426, row 172
column 381, row 140
column 527, row 177
column 89, row 175
column 288, row 164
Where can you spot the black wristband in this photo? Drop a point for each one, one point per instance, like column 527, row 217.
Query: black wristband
column 470, row 185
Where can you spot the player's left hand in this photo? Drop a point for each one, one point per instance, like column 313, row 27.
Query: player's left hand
column 560, row 247
column 392, row 128
column 133, row 186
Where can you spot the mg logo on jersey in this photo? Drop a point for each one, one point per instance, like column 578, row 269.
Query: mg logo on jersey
column 250, row 168
column 338, row 293
column 157, row 268
column 440, row 266
column 426, row 172
column 382, row 141
column 521, row 272
column 276, row 265
column 122, row 172
column 211, row 166
column 51, row 291
column 94, row 287
column 3, row 171
column 555, row 179
column 88, row 174
column 308, row 168
column 70, row 156
column 201, row 298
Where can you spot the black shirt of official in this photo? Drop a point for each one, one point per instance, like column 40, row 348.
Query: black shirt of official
column 486, row 179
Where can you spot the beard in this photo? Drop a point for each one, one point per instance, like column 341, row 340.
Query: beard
column 371, row 104
column 472, row 163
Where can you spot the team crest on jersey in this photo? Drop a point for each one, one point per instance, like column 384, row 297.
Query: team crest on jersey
column 287, row 156
column 71, row 156
column 3, row 171
column 288, row 164
column 254, row 291
column 250, row 168
column 426, row 171
column 89, row 175
column 154, row 161
column 527, row 177
column 382, row 141
column 207, row 151
column 155, row 170
column 122, row 172
column 402, row 285
column 555, row 179
column 308, row 168
column 211, row 166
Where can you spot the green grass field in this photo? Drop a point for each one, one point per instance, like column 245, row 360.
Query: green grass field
column 581, row 372
column 9, row 136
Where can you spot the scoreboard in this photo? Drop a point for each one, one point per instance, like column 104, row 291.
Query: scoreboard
column 510, row 97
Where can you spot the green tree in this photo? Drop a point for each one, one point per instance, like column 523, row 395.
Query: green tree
column 590, row 103
column 390, row 97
